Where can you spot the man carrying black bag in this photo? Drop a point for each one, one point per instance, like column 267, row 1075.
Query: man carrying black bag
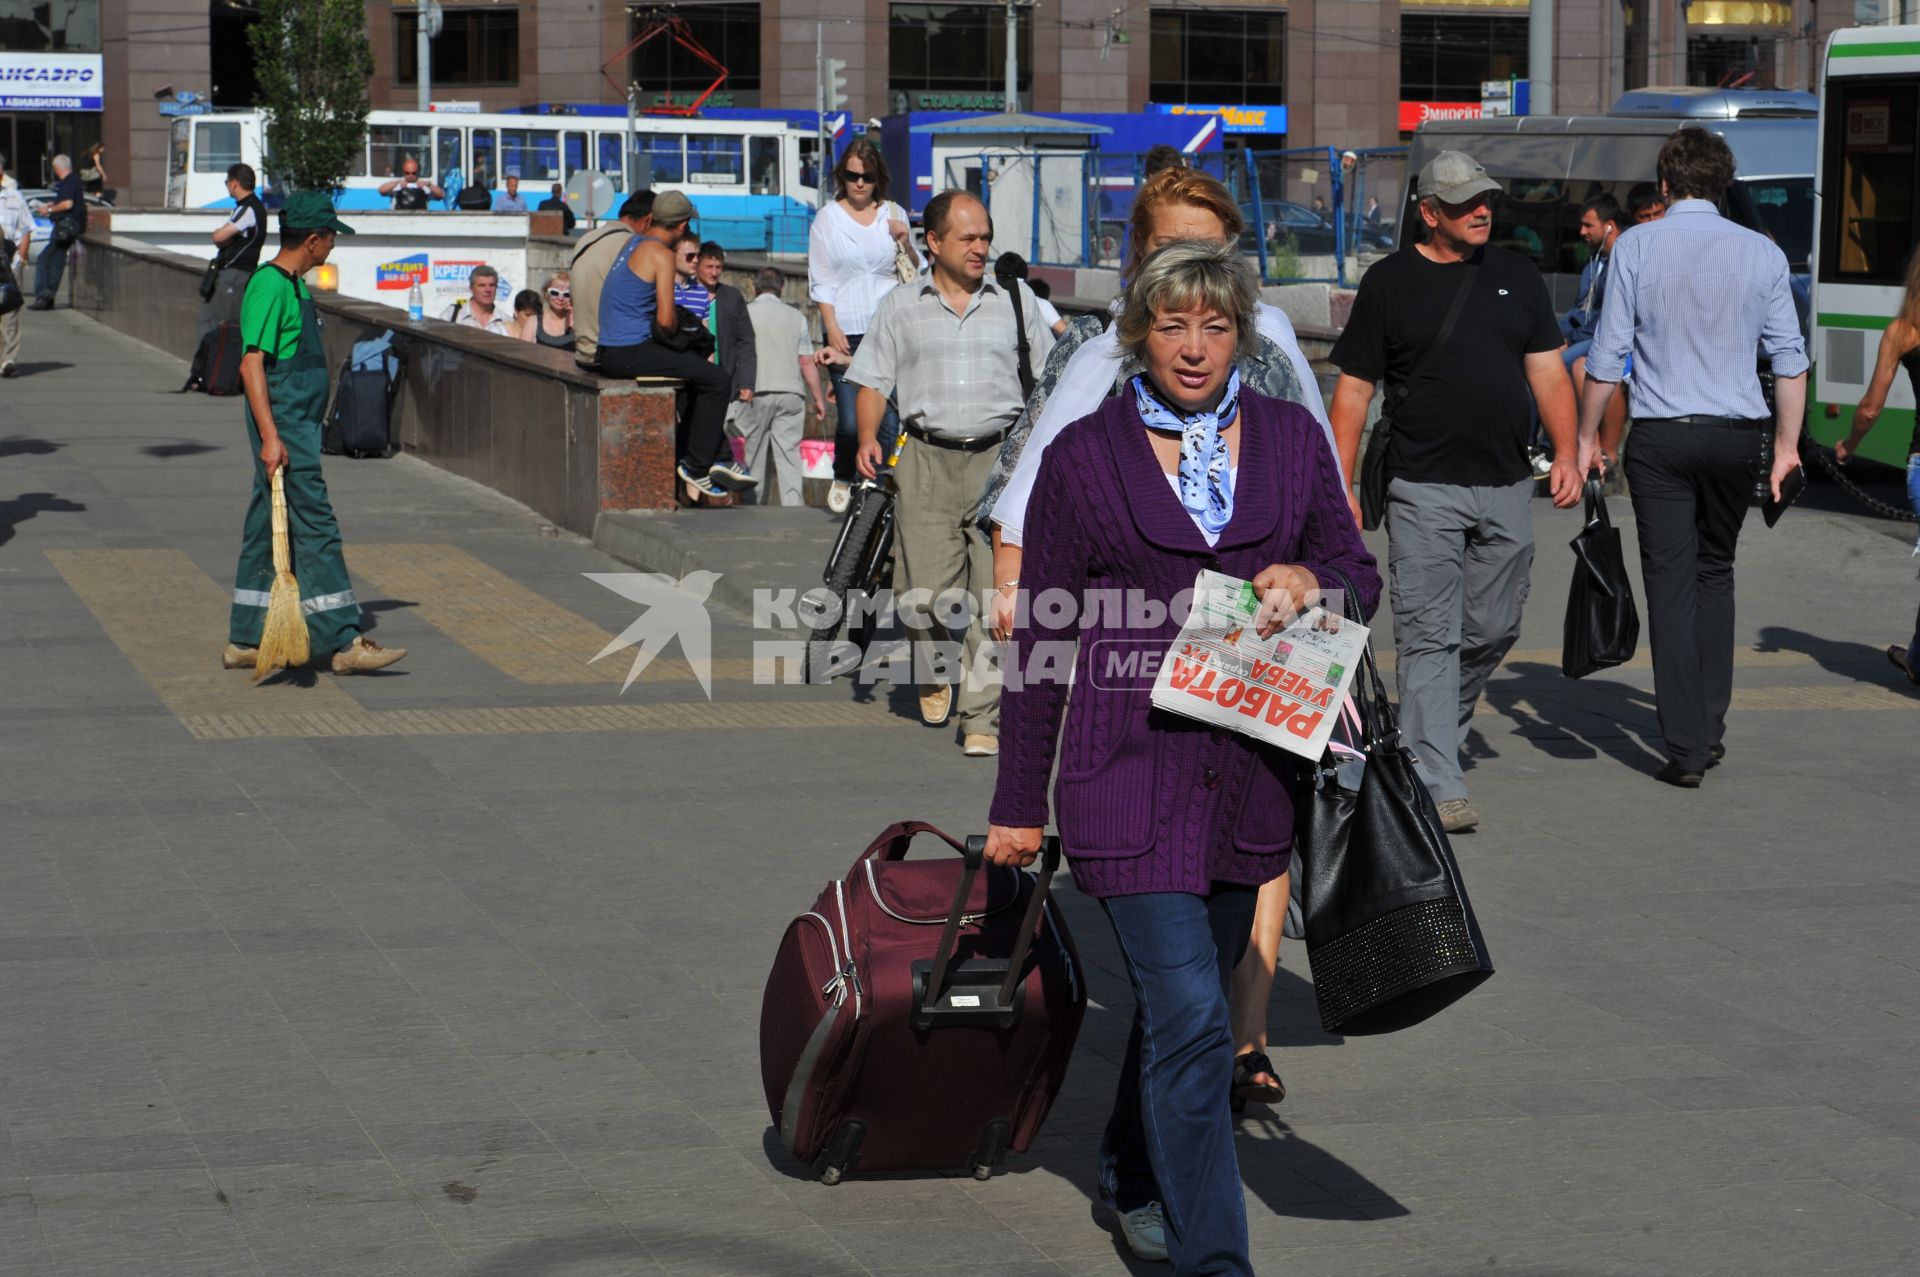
column 1695, row 300
column 1464, row 334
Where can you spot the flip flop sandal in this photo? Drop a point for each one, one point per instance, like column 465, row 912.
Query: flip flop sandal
column 1898, row 655
column 1248, row 1067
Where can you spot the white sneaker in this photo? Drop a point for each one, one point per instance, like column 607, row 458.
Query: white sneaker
column 1146, row 1232
column 838, row 496
column 1542, row 465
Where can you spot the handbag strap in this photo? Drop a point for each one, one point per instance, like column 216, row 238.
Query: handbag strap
column 1012, row 285
column 1379, row 728
column 892, row 841
column 1440, row 340
column 1596, row 497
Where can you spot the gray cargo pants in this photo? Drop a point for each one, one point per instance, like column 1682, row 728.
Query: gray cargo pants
column 1459, row 561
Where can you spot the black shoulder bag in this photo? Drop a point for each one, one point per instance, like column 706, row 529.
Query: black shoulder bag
column 1373, row 468
column 1391, row 937
column 1012, row 285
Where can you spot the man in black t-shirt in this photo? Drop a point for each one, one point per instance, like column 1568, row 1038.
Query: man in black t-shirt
column 237, row 244
column 1459, row 527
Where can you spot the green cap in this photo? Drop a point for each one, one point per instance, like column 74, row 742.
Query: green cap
column 312, row 211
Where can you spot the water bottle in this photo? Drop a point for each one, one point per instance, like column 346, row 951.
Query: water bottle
column 415, row 305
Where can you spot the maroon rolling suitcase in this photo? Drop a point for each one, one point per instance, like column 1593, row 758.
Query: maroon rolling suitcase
column 921, row 1015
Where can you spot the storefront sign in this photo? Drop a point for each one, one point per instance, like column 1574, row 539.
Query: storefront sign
column 718, row 101
column 50, row 82
column 1233, row 119
column 1414, row 114
column 957, row 101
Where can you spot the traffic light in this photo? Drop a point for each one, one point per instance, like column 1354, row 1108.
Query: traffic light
column 836, row 83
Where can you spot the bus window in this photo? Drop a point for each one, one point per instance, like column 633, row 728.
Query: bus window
column 715, row 159
column 763, row 161
column 531, row 154
column 573, row 155
column 217, row 148
column 388, row 144
column 1785, row 209
column 611, row 165
column 486, row 157
column 663, row 157
column 1533, row 218
column 178, row 148
column 446, row 152
column 1869, row 181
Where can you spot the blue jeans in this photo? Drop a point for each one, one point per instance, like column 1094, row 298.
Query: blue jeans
column 846, row 429
column 47, row 270
column 1170, row 1138
column 1913, row 496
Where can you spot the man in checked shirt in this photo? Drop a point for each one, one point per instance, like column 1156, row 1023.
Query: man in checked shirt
column 1695, row 300
column 946, row 347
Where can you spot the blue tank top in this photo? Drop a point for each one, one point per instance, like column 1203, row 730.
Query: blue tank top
column 627, row 304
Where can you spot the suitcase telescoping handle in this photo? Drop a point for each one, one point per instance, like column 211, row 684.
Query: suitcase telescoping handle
column 979, row 991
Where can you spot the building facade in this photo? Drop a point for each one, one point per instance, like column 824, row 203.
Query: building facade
column 1347, row 73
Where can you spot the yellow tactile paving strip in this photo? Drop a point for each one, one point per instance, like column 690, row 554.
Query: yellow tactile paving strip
column 170, row 619
column 523, row 635
column 756, row 715
column 167, row 616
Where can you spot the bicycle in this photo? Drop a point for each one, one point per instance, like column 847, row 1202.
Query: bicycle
column 860, row 566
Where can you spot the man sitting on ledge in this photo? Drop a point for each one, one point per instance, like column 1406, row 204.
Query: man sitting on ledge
column 641, row 336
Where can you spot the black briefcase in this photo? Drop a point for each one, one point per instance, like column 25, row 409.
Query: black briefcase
column 1603, row 625
column 1391, row 937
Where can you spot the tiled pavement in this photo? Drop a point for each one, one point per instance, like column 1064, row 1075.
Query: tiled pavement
column 471, row 984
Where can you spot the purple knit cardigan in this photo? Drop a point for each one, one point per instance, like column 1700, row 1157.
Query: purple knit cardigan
column 1146, row 800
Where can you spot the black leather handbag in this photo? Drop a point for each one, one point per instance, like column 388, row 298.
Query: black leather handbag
column 1391, row 937
column 1603, row 625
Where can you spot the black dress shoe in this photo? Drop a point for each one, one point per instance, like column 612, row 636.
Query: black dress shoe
column 41, row 304
column 1674, row 774
column 1715, row 752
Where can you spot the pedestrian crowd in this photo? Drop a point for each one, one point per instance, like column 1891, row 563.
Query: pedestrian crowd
column 1031, row 455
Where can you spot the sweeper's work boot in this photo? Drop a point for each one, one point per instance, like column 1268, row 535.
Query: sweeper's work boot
column 364, row 655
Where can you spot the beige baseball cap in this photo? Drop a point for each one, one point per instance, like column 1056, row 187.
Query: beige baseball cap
column 1454, row 177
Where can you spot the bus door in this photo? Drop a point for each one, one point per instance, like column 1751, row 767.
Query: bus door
column 485, row 171
column 609, row 158
column 447, row 153
column 763, row 165
column 576, row 153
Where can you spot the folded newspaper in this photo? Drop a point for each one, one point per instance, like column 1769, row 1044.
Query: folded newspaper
column 1284, row 690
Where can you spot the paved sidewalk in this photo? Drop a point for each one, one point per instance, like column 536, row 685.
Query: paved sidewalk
column 456, row 970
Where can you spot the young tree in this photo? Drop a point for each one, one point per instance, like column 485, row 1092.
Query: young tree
column 313, row 64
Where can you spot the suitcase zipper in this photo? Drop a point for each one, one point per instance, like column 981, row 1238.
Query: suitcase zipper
column 846, row 937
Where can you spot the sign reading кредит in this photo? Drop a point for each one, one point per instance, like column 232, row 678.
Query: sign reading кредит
column 50, row 82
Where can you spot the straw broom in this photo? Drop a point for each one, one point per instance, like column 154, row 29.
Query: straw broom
column 283, row 639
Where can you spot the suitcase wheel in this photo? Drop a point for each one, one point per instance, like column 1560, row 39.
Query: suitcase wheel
column 991, row 1149
column 838, row 1157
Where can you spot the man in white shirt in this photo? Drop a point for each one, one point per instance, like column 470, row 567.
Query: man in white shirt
column 772, row 422
column 16, row 232
column 511, row 201
column 479, row 309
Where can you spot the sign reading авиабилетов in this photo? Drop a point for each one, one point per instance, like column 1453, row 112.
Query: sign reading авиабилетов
column 50, row 82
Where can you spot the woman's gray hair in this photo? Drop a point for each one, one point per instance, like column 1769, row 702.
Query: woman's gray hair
column 1187, row 275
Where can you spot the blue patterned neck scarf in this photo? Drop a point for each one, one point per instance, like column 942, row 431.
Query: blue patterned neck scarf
column 1206, row 473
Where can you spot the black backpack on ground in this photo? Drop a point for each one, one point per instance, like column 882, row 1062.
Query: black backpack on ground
column 360, row 423
column 215, row 369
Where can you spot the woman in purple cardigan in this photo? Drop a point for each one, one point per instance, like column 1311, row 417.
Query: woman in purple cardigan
column 1170, row 824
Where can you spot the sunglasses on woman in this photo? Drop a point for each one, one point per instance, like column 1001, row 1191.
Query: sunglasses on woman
column 856, row 178
column 560, row 294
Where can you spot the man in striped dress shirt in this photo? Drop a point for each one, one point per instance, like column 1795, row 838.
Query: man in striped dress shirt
column 1696, row 300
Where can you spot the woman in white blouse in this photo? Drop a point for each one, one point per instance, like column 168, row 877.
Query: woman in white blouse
column 850, row 267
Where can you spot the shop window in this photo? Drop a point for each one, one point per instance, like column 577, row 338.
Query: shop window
column 671, row 75
column 955, row 48
column 475, row 48
column 1444, row 57
column 1218, row 57
column 1745, row 62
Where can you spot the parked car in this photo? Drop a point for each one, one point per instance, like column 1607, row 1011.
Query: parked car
column 1310, row 232
column 43, row 226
